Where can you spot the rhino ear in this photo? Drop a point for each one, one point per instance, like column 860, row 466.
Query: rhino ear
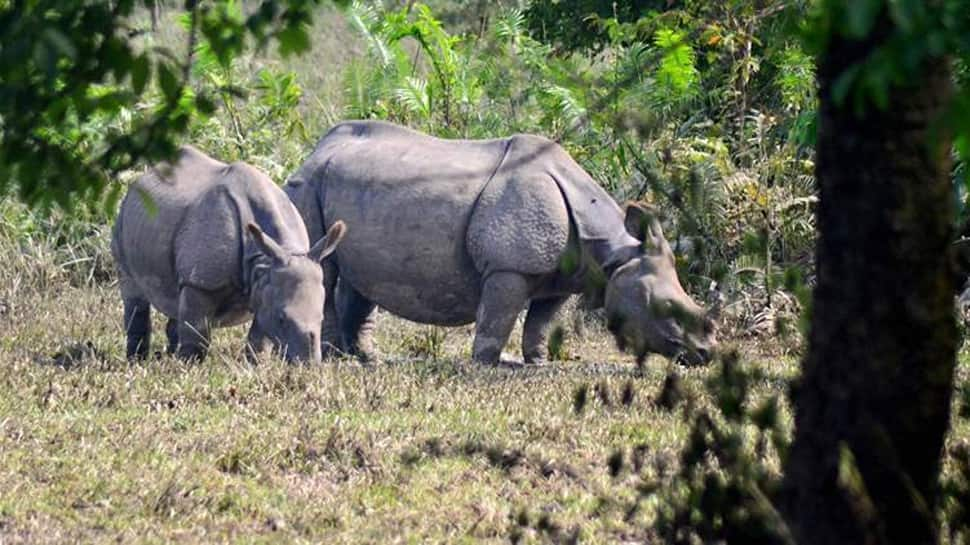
column 326, row 245
column 643, row 223
column 266, row 243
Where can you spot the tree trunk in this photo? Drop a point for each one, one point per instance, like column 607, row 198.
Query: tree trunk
column 873, row 404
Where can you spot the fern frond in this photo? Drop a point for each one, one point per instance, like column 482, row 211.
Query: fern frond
column 678, row 71
column 570, row 108
column 367, row 21
column 509, row 25
column 413, row 94
column 357, row 91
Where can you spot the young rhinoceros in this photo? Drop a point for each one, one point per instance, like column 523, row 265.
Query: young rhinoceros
column 181, row 245
column 454, row 231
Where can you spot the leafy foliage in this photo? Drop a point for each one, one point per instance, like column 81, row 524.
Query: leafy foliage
column 81, row 101
column 910, row 33
column 677, row 73
column 258, row 119
column 571, row 24
column 724, row 491
column 917, row 31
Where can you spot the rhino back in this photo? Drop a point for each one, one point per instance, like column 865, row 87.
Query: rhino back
column 521, row 221
column 212, row 249
column 538, row 199
column 155, row 207
column 406, row 199
column 192, row 233
column 596, row 217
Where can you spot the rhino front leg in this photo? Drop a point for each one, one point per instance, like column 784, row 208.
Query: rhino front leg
column 356, row 322
column 196, row 308
column 138, row 327
column 331, row 341
column 503, row 296
column 256, row 343
column 172, row 334
column 538, row 322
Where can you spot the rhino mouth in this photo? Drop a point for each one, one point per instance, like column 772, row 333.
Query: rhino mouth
column 673, row 348
column 692, row 358
column 688, row 356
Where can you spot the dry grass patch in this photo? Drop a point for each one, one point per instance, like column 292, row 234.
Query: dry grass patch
column 424, row 447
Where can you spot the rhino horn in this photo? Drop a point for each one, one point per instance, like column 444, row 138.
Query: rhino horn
column 326, row 245
column 643, row 222
column 267, row 244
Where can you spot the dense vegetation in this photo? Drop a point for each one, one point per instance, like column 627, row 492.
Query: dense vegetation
column 82, row 101
column 706, row 109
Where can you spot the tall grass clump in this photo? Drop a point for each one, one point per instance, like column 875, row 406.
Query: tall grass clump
column 43, row 251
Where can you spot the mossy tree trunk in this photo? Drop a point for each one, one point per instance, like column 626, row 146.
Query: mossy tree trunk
column 873, row 404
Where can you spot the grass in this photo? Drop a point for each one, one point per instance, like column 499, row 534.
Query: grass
column 97, row 450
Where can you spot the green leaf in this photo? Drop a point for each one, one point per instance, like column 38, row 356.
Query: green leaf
column 959, row 119
column 907, row 14
column 962, row 144
column 140, row 72
column 112, row 198
column 844, row 84
column 293, row 40
column 678, row 71
column 861, row 16
column 850, row 479
column 876, row 82
column 60, row 43
column 205, row 105
column 168, row 81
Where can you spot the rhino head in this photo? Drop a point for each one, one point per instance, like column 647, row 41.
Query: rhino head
column 647, row 309
column 287, row 303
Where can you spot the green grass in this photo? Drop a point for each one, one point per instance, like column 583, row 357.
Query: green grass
column 97, row 450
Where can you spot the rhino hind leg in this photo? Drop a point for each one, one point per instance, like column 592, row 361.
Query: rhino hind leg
column 172, row 334
column 538, row 322
column 503, row 296
column 331, row 341
column 138, row 327
column 196, row 308
column 356, row 323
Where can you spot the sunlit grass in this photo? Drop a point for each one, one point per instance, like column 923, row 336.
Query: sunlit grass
column 95, row 449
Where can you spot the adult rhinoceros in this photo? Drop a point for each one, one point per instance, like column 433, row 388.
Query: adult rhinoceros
column 180, row 245
column 454, row 231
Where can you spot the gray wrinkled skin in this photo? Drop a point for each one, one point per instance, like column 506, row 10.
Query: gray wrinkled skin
column 450, row 232
column 214, row 245
column 646, row 307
